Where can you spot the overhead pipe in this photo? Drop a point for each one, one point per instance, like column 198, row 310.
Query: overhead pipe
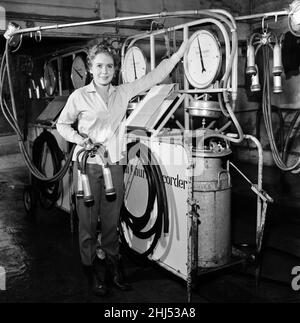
column 262, row 15
column 163, row 14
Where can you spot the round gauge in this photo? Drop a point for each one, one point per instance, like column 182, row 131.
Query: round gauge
column 134, row 65
column 78, row 72
column 50, row 78
column 202, row 60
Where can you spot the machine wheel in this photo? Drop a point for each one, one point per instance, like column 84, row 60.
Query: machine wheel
column 29, row 200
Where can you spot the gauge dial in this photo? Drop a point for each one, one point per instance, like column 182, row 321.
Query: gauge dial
column 50, row 78
column 79, row 72
column 134, row 65
column 202, row 60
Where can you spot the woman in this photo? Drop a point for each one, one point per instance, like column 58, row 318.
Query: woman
column 100, row 109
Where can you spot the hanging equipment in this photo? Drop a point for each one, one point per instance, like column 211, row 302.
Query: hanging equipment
column 267, row 41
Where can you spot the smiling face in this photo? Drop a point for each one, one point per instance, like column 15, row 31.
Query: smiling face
column 103, row 68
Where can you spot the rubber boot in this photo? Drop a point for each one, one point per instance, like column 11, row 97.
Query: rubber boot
column 88, row 273
column 99, row 286
column 116, row 273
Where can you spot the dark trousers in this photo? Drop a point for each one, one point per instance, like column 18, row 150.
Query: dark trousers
column 104, row 209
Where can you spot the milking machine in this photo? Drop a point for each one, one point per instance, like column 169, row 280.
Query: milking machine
column 177, row 205
column 194, row 162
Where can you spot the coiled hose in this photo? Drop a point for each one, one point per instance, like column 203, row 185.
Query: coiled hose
column 267, row 114
column 10, row 115
column 156, row 191
column 276, row 110
column 289, row 137
column 48, row 192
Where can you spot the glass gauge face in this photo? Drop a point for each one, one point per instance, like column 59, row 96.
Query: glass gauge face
column 79, row 72
column 134, row 65
column 50, row 78
column 202, row 60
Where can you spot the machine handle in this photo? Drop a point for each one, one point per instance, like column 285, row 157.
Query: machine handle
column 219, row 178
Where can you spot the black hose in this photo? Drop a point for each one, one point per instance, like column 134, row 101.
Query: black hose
column 49, row 192
column 77, row 159
column 156, row 191
column 289, row 138
column 277, row 110
column 83, row 165
column 266, row 105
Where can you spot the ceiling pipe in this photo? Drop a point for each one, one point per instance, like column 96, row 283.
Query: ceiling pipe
column 289, row 11
column 144, row 17
column 105, row 21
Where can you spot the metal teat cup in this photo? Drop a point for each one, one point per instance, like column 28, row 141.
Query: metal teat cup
column 109, row 186
column 255, row 86
column 80, row 192
column 277, row 87
column 250, row 60
column 277, row 61
column 88, row 197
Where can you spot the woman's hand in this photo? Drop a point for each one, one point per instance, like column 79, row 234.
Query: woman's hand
column 87, row 144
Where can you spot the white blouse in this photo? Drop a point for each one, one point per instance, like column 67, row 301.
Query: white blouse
column 104, row 123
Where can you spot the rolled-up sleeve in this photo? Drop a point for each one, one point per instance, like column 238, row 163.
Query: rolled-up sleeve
column 67, row 118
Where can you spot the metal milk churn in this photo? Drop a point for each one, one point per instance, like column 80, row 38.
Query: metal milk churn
column 212, row 190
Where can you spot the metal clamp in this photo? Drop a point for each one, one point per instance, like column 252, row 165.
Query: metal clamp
column 262, row 194
column 38, row 36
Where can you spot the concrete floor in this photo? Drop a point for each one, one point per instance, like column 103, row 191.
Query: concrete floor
column 42, row 262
